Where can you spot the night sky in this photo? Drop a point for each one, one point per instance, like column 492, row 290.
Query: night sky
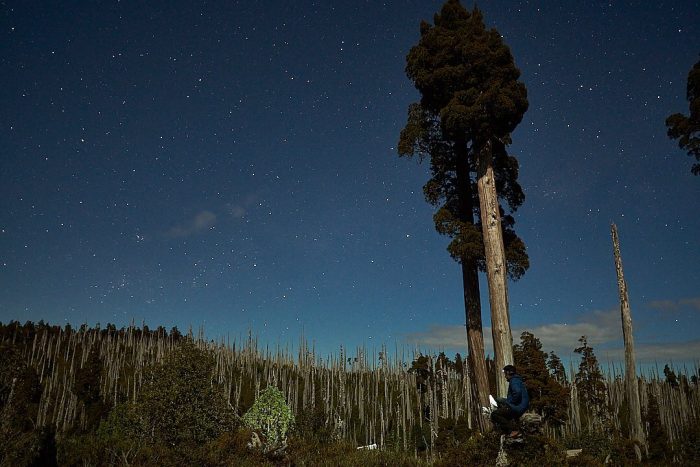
column 233, row 165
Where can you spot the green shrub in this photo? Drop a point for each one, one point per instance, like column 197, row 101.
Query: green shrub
column 271, row 416
column 177, row 412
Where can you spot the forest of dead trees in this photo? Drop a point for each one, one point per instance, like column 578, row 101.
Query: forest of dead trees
column 59, row 385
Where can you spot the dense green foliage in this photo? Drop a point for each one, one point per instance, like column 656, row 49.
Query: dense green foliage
column 469, row 93
column 178, row 407
column 592, row 391
column 548, row 396
column 686, row 129
column 271, row 416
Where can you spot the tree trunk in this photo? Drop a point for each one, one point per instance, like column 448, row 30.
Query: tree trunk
column 475, row 340
column 495, row 266
column 636, row 430
column 472, row 299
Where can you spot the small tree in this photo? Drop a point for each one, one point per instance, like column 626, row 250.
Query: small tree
column 556, row 368
column 590, row 383
column 687, row 129
column 272, row 417
column 23, row 443
column 547, row 396
column 671, row 377
column 657, row 440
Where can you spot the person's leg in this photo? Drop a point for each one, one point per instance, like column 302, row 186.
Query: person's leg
column 502, row 417
column 513, row 425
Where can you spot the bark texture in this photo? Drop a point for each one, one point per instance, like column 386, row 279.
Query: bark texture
column 472, row 298
column 631, row 386
column 496, row 269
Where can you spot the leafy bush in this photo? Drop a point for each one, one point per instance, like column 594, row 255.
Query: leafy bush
column 271, row 416
column 177, row 412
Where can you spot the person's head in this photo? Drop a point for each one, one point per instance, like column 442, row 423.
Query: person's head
column 508, row 371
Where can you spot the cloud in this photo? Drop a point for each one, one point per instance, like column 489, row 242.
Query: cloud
column 240, row 208
column 666, row 306
column 672, row 306
column 646, row 353
column 202, row 221
column 599, row 327
column 693, row 303
column 602, row 329
column 438, row 337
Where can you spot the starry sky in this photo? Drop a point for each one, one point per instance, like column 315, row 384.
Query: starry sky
column 233, row 165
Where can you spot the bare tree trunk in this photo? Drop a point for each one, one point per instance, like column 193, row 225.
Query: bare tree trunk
column 636, row 430
column 495, row 265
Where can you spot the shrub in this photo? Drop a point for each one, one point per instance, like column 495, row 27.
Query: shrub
column 176, row 413
column 271, row 416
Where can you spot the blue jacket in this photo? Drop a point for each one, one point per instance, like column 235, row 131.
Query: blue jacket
column 518, row 399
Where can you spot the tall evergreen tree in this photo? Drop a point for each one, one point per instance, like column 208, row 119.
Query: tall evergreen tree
column 658, row 446
column 687, row 129
column 471, row 100
column 671, row 377
column 548, row 397
column 556, row 368
column 590, row 383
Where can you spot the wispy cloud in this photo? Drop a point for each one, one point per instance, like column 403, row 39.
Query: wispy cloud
column 239, row 208
column 671, row 306
column 202, row 221
column 599, row 327
column 676, row 352
column 448, row 337
column 602, row 329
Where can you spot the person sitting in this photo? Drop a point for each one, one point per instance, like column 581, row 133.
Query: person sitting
column 510, row 409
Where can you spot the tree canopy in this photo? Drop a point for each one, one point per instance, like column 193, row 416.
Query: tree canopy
column 469, row 92
column 466, row 75
column 686, row 129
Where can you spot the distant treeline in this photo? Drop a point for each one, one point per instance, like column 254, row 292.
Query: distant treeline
column 94, row 396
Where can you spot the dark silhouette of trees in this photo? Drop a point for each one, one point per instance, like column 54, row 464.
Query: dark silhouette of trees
column 471, row 100
column 671, row 377
column 86, row 387
column 20, row 393
column 657, row 440
column 686, row 129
